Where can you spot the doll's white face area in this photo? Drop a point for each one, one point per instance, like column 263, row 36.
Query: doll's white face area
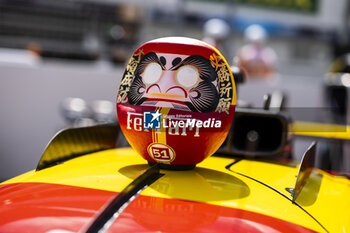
column 175, row 81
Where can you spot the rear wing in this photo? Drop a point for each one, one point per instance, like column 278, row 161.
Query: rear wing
column 75, row 142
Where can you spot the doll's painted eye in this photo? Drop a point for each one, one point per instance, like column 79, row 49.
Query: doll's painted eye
column 152, row 73
column 187, row 76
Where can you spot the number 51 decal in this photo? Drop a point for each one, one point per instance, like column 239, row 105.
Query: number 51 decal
column 161, row 152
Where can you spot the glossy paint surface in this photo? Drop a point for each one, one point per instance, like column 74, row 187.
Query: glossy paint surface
column 322, row 195
column 39, row 207
column 68, row 195
column 154, row 214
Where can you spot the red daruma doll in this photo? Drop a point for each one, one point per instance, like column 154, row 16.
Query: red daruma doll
column 176, row 101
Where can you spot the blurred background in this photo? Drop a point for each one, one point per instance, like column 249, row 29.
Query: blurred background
column 63, row 59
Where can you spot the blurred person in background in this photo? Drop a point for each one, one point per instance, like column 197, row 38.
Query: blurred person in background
column 216, row 32
column 256, row 58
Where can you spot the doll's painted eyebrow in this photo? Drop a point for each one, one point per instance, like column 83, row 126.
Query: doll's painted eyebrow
column 162, row 61
column 203, row 65
column 149, row 58
column 193, row 60
column 177, row 62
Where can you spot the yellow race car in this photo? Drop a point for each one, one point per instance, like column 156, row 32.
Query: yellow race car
column 188, row 170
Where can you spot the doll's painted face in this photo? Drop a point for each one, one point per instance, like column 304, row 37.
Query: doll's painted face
column 175, row 81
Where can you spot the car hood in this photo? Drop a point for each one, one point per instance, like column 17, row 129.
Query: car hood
column 218, row 195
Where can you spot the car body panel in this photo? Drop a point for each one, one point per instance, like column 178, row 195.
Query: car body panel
column 41, row 207
column 326, row 197
column 264, row 172
column 323, row 193
column 209, row 184
column 69, row 208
